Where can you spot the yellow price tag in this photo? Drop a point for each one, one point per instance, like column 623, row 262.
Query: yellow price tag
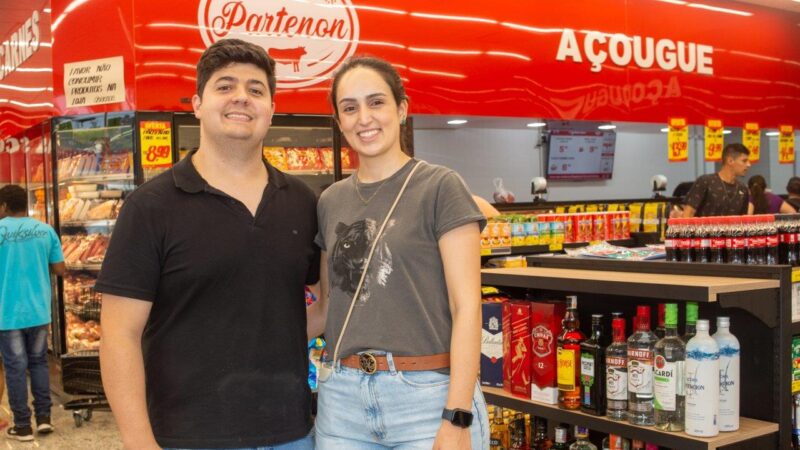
column 796, row 275
column 486, row 251
column 556, row 247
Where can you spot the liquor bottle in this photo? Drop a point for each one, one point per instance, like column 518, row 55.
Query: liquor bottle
column 668, row 375
column 691, row 320
column 615, row 442
column 499, row 436
column 593, row 389
column 617, row 372
column 702, row 383
column 528, row 434
column 729, row 352
column 641, row 345
column 660, row 327
column 582, row 440
column 541, row 441
column 637, row 444
column 568, row 356
column 561, row 438
column 519, row 440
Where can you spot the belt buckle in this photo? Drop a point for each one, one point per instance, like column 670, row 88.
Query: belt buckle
column 367, row 363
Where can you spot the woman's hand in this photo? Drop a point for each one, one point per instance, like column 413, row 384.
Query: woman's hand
column 451, row 437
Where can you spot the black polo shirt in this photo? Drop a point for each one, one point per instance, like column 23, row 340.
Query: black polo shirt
column 225, row 345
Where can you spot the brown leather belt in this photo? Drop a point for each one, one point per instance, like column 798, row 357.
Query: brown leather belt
column 370, row 363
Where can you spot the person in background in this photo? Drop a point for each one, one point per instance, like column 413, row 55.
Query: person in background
column 721, row 193
column 793, row 191
column 680, row 194
column 762, row 201
column 29, row 252
column 418, row 316
column 204, row 322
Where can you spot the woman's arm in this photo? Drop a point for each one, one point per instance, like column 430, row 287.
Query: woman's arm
column 460, row 250
column 317, row 313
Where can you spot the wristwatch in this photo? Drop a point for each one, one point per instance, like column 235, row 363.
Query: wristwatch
column 458, row 417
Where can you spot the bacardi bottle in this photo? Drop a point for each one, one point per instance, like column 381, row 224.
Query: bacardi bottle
column 641, row 346
column 702, row 383
column 668, row 375
column 582, row 440
column 691, row 320
column 593, row 398
column 617, row 372
column 568, row 356
column 729, row 352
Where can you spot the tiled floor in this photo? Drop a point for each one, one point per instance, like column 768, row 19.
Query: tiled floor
column 100, row 433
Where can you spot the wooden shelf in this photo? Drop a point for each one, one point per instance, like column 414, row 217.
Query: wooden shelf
column 748, row 428
column 648, row 285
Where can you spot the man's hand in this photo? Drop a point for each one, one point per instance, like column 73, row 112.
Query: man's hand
column 451, row 437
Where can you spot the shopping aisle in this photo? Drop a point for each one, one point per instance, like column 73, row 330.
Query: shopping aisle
column 100, row 433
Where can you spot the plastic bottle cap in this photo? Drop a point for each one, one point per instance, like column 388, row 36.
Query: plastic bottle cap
column 702, row 325
column 723, row 322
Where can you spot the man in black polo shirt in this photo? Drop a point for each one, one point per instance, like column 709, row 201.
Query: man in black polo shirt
column 721, row 194
column 204, row 325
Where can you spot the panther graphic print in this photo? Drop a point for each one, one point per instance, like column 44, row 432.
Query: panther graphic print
column 350, row 253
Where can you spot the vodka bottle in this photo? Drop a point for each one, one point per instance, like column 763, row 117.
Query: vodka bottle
column 582, row 440
column 668, row 374
column 729, row 351
column 617, row 373
column 702, row 383
column 641, row 346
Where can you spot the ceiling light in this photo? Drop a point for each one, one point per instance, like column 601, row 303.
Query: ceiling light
column 536, row 125
column 773, row 133
column 606, row 127
column 727, row 131
column 456, row 122
column 665, row 130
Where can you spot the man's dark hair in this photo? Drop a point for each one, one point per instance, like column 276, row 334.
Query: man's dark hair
column 734, row 151
column 14, row 198
column 228, row 51
column 793, row 186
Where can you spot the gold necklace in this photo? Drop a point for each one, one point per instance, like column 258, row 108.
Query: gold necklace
column 358, row 191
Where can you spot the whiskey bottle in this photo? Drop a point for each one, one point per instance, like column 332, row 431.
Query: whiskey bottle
column 568, row 358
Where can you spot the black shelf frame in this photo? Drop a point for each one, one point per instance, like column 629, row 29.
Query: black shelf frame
column 766, row 343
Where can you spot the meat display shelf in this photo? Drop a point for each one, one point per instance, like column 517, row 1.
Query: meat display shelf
column 748, row 428
column 89, row 267
column 102, row 178
column 35, row 186
column 317, row 172
column 90, row 223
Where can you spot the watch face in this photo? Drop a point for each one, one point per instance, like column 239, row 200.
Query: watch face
column 462, row 418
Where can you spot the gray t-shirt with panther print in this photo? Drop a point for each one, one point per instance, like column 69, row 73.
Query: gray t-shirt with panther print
column 403, row 306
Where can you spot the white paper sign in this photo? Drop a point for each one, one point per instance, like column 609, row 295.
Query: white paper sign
column 94, row 82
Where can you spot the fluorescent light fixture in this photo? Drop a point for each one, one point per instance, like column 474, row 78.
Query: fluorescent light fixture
column 718, row 9
column 727, row 131
column 536, row 125
column 774, row 133
column 456, row 122
column 606, row 127
column 665, row 130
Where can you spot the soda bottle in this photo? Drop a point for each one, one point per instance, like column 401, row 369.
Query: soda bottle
column 685, row 240
column 735, row 241
column 771, row 240
column 716, row 232
column 670, row 240
column 701, row 243
column 756, row 243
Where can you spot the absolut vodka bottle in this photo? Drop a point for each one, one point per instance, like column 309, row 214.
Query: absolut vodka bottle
column 702, row 383
column 729, row 351
column 668, row 374
column 617, row 372
column 641, row 346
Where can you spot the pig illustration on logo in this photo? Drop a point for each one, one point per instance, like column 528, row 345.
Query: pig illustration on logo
column 307, row 39
column 288, row 56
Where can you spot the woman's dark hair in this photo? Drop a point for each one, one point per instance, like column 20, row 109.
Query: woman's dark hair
column 228, row 51
column 793, row 186
column 14, row 197
column 758, row 187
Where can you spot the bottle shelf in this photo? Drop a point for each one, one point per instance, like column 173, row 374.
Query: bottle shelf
column 748, row 428
column 647, row 285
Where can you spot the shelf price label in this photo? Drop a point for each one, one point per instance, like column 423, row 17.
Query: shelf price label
column 751, row 139
column 786, row 144
column 156, row 143
column 678, row 140
column 713, row 140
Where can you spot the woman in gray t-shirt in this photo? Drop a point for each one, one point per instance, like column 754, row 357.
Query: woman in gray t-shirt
column 408, row 359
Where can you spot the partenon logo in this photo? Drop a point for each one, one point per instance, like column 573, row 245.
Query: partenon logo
column 308, row 39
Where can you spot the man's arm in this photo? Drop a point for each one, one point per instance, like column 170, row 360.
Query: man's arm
column 688, row 211
column 122, row 368
column 317, row 314
column 59, row 269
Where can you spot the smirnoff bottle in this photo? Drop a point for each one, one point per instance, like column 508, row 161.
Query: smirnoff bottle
column 691, row 320
column 668, row 374
column 702, row 383
column 729, row 351
column 617, row 372
column 593, row 396
column 641, row 346
column 568, row 357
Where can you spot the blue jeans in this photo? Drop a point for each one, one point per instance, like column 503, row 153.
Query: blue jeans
column 391, row 409
column 24, row 351
column 306, row 443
